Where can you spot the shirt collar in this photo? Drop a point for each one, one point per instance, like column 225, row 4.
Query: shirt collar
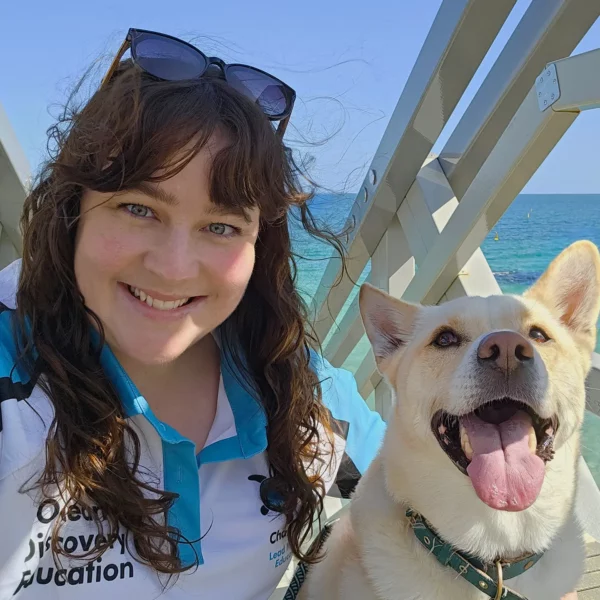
column 250, row 421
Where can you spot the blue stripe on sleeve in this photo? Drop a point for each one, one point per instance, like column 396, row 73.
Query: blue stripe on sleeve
column 342, row 398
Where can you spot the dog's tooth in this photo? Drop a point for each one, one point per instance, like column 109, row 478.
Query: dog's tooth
column 467, row 449
column 442, row 429
column 549, row 431
column 532, row 441
column 465, row 443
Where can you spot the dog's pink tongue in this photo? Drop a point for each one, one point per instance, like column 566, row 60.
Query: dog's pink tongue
column 504, row 472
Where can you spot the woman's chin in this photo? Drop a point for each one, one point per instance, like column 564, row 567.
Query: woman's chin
column 151, row 352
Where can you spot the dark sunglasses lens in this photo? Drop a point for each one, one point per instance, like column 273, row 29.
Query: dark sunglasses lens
column 266, row 91
column 168, row 59
column 271, row 495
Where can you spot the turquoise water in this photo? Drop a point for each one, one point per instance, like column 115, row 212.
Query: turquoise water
column 530, row 234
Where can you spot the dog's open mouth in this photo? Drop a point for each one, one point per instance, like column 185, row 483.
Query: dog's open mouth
column 503, row 447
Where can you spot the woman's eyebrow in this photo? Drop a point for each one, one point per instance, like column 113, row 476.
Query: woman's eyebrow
column 157, row 193
column 161, row 195
column 226, row 211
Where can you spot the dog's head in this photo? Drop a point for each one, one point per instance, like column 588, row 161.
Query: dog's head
column 493, row 387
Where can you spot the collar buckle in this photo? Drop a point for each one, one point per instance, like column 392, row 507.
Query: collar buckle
column 500, row 582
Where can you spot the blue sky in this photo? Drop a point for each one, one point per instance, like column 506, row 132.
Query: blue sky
column 347, row 60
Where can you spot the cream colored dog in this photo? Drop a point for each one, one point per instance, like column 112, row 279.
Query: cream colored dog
column 483, row 442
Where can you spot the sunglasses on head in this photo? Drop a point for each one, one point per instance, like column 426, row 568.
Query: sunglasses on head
column 171, row 59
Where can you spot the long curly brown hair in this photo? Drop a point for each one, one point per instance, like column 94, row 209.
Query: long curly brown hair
column 123, row 135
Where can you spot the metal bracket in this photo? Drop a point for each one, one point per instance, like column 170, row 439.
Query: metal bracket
column 547, row 87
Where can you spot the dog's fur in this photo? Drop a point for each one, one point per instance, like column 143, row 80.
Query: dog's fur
column 372, row 552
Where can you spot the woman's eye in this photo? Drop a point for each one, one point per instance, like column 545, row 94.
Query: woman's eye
column 221, row 229
column 139, row 210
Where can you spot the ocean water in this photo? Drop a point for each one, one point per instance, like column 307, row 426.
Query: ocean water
column 530, row 234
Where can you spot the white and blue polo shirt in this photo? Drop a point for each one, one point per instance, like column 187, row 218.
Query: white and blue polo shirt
column 242, row 550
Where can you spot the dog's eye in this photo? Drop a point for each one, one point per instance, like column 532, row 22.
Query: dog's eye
column 538, row 335
column 446, row 338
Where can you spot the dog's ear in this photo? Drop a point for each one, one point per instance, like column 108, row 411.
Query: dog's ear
column 570, row 288
column 389, row 322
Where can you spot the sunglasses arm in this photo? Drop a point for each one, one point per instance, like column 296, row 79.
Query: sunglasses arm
column 115, row 63
column 283, row 126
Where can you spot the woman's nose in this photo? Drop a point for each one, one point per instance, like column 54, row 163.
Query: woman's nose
column 172, row 257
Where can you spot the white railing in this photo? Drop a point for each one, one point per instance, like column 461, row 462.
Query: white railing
column 14, row 175
column 421, row 225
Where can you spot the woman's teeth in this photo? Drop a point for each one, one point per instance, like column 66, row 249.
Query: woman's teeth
column 160, row 304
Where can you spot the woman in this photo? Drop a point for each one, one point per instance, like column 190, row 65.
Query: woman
column 166, row 428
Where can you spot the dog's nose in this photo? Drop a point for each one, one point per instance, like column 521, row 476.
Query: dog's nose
column 506, row 350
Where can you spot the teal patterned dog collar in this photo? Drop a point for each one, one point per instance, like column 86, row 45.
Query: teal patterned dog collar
column 487, row 577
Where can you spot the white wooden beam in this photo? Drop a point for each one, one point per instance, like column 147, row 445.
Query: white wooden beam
column 439, row 78
column 524, row 145
column 593, row 386
column 14, row 181
column 548, row 31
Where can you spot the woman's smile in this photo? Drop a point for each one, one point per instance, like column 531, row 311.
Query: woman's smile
column 150, row 307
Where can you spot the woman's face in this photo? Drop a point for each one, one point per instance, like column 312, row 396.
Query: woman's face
column 163, row 266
